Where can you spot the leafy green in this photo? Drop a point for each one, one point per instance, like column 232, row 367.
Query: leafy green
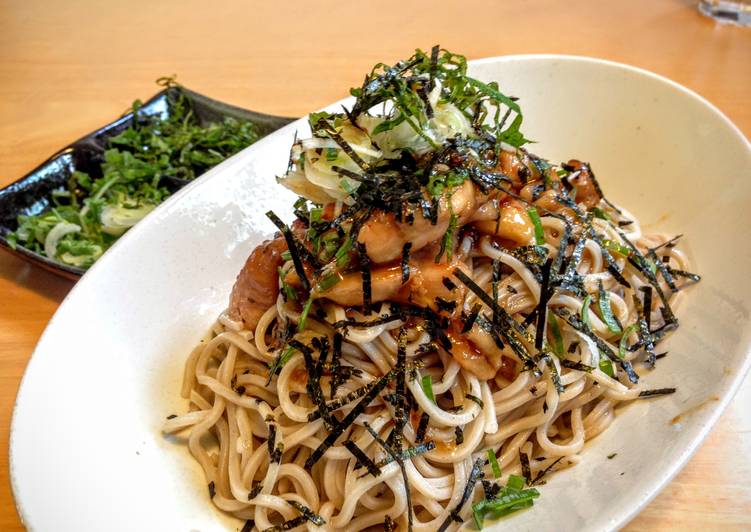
column 494, row 463
column 606, row 310
column 557, row 336
column 427, row 387
column 584, row 313
column 537, row 223
column 509, row 499
column 138, row 167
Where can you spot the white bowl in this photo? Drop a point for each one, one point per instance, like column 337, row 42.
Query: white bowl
column 87, row 453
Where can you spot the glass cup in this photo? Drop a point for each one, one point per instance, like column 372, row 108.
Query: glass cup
column 730, row 11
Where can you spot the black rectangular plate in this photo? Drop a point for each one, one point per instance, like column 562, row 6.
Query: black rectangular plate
column 32, row 193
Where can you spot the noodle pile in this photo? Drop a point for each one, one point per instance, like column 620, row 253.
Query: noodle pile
column 367, row 419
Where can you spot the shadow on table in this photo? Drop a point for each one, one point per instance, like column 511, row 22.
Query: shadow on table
column 32, row 277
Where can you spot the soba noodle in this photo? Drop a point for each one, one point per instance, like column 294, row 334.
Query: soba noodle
column 359, row 420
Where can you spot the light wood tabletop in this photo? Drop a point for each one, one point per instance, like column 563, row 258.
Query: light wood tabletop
column 67, row 67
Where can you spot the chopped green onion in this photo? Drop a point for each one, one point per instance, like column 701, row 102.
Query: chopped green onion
column 304, row 314
column 328, row 281
column 606, row 366
column 624, row 339
column 557, row 337
column 515, row 482
column 607, row 311
column 331, row 154
column 539, row 232
column 612, row 245
column 510, row 499
column 427, row 387
column 584, row 314
column 342, row 254
column 288, row 291
column 494, row 463
column 599, row 213
column 286, row 255
column 279, row 362
column 447, row 242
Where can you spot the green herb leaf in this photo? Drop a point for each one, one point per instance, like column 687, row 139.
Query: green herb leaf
column 623, row 344
column 557, row 336
column 584, row 313
column 494, row 463
column 607, row 311
column 304, row 314
column 537, row 223
column 427, row 387
column 606, row 366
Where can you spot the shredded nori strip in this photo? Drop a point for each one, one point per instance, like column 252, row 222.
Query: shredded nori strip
column 309, row 514
column 172, row 416
column 409, row 453
column 645, row 335
column 352, row 175
column 444, row 305
column 388, row 524
column 336, row 355
column 570, row 364
column 401, row 410
column 663, row 269
column 248, row 526
column 294, row 249
column 542, row 306
column 554, row 376
column 641, row 263
column 658, row 391
column 575, row 323
column 562, row 246
column 459, row 435
column 313, row 385
column 212, row 489
column 470, row 321
column 449, row 284
column 255, row 491
column 690, row 276
column 341, row 324
column 422, row 427
column 571, row 280
column 395, row 456
column 346, row 148
column 367, row 294
column 501, row 315
column 526, row 472
column 339, row 402
column 405, row 262
column 475, row 399
column 541, row 474
column 491, row 490
column 275, row 451
column 475, row 475
column 287, row 525
column 573, row 346
column 363, row 460
column 358, row 409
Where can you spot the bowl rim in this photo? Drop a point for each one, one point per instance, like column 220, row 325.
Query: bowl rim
column 728, row 391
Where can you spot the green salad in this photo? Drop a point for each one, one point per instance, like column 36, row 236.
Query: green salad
column 142, row 166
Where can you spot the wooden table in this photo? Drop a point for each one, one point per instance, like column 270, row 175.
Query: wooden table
column 66, row 68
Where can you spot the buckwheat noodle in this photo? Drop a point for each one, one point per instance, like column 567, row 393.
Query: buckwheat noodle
column 234, row 412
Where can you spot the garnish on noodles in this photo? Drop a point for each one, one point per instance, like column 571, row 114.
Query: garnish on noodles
column 444, row 324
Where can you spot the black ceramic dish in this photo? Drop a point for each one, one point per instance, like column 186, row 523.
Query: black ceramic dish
column 32, row 193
